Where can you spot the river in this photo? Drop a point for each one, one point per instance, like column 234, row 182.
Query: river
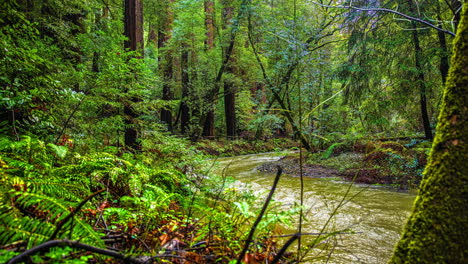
column 375, row 214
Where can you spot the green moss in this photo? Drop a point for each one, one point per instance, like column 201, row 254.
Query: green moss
column 435, row 232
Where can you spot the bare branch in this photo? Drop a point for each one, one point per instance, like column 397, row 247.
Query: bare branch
column 390, row 11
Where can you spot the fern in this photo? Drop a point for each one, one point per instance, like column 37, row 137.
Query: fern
column 48, row 212
column 14, row 227
column 330, row 149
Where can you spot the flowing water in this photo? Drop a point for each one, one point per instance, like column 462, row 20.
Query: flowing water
column 376, row 215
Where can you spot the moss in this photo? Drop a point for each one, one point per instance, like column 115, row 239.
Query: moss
column 395, row 146
column 435, row 231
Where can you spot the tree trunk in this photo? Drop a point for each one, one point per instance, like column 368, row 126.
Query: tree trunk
column 420, row 77
column 435, row 231
column 133, row 25
column 164, row 35
column 230, row 108
column 209, row 24
column 184, row 108
column 133, row 21
column 229, row 89
column 444, row 57
column 208, row 124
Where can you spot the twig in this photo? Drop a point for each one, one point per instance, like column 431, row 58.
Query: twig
column 259, row 218
column 68, row 121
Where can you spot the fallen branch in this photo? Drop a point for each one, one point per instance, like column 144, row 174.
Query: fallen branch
column 77, row 244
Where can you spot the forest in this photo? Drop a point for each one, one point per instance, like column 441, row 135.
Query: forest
column 120, row 121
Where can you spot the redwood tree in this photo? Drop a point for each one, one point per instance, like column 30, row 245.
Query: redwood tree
column 133, row 28
column 164, row 35
column 229, row 87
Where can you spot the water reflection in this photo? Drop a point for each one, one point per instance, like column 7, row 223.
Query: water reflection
column 377, row 215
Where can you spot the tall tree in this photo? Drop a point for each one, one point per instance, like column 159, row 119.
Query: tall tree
column 185, row 79
column 164, row 35
column 229, row 87
column 435, row 231
column 420, row 78
column 133, row 30
column 209, row 117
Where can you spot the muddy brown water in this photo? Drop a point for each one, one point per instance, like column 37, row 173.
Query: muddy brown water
column 375, row 214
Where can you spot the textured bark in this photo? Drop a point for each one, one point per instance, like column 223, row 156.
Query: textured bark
column 133, row 25
column 230, row 108
column 209, row 24
column 133, row 21
column 435, row 231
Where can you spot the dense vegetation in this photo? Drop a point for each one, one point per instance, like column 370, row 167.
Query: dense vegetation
column 108, row 110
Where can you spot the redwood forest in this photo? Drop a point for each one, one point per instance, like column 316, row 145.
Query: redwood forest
column 234, row 131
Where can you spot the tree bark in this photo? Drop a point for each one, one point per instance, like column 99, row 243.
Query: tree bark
column 133, row 29
column 435, row 231
column 133, row 21
column 209, row 24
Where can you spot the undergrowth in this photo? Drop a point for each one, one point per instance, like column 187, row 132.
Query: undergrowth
column 392, row 163
column 151, row 203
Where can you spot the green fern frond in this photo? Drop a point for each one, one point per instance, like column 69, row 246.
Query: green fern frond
column 54, row 209
column 67, row 191
column 14, row 227
column 52, row 212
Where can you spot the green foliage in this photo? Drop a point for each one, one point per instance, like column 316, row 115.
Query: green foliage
column 329, row 150
column 264, row 125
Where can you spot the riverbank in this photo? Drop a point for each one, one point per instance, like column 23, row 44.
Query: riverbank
column 390, row 164
column 372, row 217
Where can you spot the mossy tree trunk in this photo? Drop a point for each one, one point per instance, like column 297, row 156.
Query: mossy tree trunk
column 435, row 232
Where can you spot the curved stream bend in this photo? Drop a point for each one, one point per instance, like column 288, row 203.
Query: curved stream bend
column 376, row 214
